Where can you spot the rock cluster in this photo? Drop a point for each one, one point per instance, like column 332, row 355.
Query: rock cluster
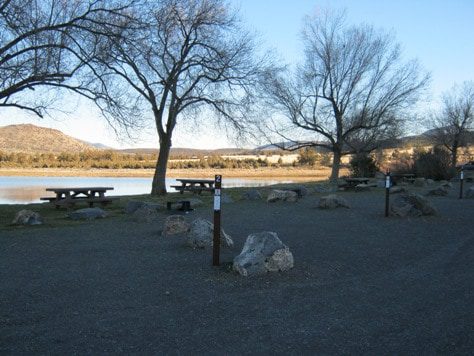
column 263, row 252
column 411, row 205
column 27, row 217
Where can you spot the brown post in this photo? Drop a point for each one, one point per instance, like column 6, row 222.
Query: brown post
column 387, row 193
column 217, row 220
column 461, row 183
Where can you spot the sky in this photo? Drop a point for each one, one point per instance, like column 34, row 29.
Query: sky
column 437, row 33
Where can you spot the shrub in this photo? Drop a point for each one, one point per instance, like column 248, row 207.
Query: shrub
column 434, row 164
column 363, row 165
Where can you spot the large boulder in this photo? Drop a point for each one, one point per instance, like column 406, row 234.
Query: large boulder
column 325, row 188
column 252, row 194
column 470, row 192
column 263, row 252
column 300, row 190
column 439, row 191
column 175, row 225
column 282, row 195
column 27, row 217
column 87, row 214
column 332, row 201
column 411, row 205
column 201, row 235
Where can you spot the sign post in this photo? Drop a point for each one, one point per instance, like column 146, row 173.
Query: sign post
column 461, row 183
column 387, row 193
column 217, row 220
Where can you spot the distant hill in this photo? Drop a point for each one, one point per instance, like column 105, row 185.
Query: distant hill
column 35, row 139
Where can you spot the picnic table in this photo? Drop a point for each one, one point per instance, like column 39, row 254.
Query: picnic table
column 196, row 186
column 68, row 197
column 353, row 182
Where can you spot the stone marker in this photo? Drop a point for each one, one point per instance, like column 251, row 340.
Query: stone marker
column 27, row 217
column 201, row 234
column 333, row 201
column 263, row 252
column 411, row 205
column 175, row 225
column 282, row 195
column 87, row 214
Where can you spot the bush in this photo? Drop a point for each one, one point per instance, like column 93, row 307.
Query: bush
column 307, row 157
column 434, row 164
column 363, row 165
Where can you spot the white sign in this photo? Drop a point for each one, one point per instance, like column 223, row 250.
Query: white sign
column 387, row 182
column 217, row 199
column 462, row 174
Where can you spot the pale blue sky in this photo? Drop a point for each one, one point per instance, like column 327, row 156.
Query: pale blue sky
column 438, row 33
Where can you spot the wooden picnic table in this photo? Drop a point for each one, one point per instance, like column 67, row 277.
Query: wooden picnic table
column 196, row 186
column 353, row 182
column 68, row 197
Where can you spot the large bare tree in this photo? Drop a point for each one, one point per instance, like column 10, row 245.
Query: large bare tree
column 45, row 43
column 192, row 60
column 352, row 91
column 453, row 126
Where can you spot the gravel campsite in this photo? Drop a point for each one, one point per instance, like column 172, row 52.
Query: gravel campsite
column 361, row 283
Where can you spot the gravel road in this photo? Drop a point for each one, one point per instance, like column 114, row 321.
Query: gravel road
column 362, row 283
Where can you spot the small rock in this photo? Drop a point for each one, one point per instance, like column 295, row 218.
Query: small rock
column 175, row 225
column 263, row 252
column 333, row 201
column 27, row 217
column 252, row 194
column 430, row 182
column 201, row 235
column 87, row 214
column 282, row 195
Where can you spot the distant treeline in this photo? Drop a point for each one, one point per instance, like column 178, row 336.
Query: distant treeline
column 109, row 159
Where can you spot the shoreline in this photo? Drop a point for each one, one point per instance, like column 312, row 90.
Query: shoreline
column 301, row 174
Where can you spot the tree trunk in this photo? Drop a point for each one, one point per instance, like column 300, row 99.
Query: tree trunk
column 336, row 164
column 454, row 154
column 158, row 186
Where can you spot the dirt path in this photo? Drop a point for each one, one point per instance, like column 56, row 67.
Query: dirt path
column 361, row 284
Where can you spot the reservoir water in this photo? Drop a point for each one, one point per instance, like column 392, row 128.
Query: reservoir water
column 25, row 190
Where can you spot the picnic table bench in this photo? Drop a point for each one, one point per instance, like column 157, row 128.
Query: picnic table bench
column 197, row 186
column 68, row 197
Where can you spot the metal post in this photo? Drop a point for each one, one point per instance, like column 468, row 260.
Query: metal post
column 217, row 220
column 387, row 193
column 462, row 183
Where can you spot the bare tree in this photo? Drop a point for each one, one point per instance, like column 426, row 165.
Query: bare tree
column 351, row 92
column 193, row 60
column 453, row 126
column 45, row 43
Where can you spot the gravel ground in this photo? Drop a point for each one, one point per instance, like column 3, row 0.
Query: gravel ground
column 362, row 283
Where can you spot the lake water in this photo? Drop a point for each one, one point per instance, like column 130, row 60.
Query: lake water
column 24, row 190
